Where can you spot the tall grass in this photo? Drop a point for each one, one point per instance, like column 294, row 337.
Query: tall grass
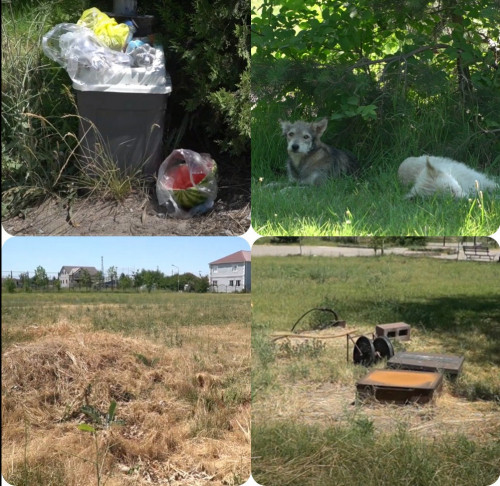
column 308, row 456
column 40, row 143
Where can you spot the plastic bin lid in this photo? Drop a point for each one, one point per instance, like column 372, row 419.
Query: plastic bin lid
column 126, row 79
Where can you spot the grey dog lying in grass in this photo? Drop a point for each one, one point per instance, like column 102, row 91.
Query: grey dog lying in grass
column 310, row 161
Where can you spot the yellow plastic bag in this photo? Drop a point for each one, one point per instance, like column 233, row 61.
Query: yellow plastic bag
column 111, row 33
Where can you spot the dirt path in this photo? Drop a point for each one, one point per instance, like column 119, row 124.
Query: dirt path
column 345, row 251
column 137, row 215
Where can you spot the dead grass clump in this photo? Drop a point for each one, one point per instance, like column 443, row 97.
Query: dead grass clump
column 164, row 413
column 207, row 381
column 56, row 376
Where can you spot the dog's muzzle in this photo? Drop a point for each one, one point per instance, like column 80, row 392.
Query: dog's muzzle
column 295, row 147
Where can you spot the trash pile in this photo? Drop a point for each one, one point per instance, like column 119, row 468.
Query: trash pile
column 99, row 49
column 122, row 87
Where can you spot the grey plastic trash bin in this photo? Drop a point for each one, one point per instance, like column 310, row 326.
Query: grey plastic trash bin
column 122, row 114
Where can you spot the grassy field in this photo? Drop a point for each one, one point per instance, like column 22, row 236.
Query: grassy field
column 307, row 426
column 373, row 203
column 177, row 366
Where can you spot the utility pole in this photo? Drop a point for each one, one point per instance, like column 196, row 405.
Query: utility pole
column 101, row 283
column 177, row 276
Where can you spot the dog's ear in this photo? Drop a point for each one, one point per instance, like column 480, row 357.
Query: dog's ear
column 430, row 168
column 285, row 126
column 320, row 126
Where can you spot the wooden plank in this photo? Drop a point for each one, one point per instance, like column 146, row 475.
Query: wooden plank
column 426, row 362
column 282, row 334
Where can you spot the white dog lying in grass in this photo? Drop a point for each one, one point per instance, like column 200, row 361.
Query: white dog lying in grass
column 430, row 175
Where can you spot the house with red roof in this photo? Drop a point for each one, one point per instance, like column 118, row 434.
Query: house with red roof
column 231, row 273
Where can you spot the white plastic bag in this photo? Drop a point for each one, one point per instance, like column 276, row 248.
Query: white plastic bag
column 74, row 46
column 187, row 183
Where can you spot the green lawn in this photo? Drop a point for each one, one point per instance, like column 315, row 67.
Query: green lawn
column 374, row 203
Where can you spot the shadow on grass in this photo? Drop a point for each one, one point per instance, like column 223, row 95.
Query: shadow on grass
column 458, row 319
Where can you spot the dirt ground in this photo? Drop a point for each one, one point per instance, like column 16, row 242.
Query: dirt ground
column 335, row 403
column 138, row 215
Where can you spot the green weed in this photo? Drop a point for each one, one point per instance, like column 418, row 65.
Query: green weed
column 98, row 421
column 309, row 349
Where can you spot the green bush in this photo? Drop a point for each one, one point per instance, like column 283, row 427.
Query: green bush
column 207, row 48
column 10, row 285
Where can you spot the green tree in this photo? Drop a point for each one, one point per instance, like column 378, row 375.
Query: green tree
column 149, row 280
column 201, row 284
column 113, row 276
column 125, row 282
column 85, row 279
column 208, row 48
column 367, row 64
column 10, row 285
column 378, row 243
column 24, row 278
column 40, row 279
column 100, row 280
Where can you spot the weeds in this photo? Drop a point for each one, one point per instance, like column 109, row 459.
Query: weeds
column 100, row 422
column 307, row 428
column 341, row 456
column 40, row 148
column 306, row 349
column 374, row 203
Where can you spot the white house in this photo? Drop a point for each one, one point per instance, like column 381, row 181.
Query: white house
column 71, row 276
column 231, row 273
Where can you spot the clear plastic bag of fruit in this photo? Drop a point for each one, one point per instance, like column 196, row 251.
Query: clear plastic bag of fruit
column 187, row 183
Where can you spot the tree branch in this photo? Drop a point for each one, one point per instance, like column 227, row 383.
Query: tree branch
column 397, row 57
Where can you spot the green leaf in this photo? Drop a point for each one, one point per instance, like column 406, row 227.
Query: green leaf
column 111, row 411
column 445, row 39
column 87, row 428
column 353, row 100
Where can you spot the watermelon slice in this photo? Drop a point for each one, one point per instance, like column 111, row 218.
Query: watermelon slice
column 192, row 196
column 188, row 179
column 181, row 178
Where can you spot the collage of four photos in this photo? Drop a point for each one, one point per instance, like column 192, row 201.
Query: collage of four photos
column 250, row 243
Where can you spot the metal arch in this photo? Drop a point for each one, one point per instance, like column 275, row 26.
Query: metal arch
column 323, row 309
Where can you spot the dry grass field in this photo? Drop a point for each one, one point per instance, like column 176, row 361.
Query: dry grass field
column 160, row 382
column 308, row 427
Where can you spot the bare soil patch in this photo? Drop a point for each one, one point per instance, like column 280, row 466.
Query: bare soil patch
column 135, row 216
column 139, row 214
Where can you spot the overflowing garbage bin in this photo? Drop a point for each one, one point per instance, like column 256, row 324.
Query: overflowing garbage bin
column 121, row 92
column 123, row 118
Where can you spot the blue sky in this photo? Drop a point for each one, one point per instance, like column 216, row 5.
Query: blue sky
column 190, row 254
